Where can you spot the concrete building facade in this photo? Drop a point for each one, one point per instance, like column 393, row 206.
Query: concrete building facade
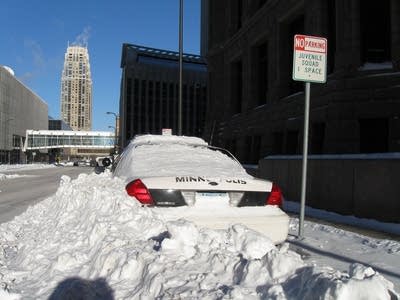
column 20, row 109
column 256, row 109
column 76, row 89
column 150, row 92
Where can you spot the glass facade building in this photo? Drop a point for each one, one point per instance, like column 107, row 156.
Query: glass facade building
column 150, row 92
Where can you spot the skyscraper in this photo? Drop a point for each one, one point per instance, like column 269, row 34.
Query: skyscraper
column 150, row 92
column 76, row 89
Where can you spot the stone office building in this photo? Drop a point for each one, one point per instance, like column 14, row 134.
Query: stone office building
column 256, row 109
column 20, row 109
column 150, row 92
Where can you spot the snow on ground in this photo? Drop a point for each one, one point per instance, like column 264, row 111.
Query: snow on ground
column 93, row 241
column 18, row 167
column 8, row 168
column 11, row 176
column 393, row 228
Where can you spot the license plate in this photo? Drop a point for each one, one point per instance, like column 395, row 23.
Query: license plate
column 210, row 194
column 211, row 200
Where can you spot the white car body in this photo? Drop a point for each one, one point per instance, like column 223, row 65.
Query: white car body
column 202, row 184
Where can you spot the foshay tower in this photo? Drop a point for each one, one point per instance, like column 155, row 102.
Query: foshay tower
column 76, row 89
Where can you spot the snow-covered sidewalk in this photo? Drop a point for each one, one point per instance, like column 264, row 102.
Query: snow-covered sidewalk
column 91, row 239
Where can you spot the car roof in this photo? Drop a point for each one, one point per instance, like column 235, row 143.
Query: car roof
column 150, row 139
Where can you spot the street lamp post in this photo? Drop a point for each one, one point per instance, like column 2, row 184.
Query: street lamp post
column 180, row 65
column 116, row 139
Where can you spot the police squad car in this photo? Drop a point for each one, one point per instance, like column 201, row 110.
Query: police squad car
column 205, row 184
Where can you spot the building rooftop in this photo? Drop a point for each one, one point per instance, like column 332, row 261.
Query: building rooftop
column 159, row 53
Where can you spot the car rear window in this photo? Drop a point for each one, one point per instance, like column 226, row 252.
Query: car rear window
column 175, row 159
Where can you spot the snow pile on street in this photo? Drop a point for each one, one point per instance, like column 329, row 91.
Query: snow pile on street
column 93, row 241
column 11, row 176
column 19, row 167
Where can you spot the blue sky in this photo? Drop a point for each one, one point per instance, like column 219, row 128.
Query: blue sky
column 34, row 35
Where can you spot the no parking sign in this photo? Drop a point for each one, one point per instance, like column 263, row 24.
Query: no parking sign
column 309, row 65
column 309, row 58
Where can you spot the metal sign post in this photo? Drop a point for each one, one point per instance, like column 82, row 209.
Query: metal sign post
column 305, row 156
column 309, row 65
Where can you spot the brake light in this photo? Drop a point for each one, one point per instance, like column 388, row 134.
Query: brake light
column 138, row 190
column 275, row 196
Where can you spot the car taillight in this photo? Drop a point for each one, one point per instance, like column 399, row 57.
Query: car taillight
column 138, row 190
column 275, row 196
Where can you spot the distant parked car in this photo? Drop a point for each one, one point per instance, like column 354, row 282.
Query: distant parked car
column 66, row 163
column 176, row 171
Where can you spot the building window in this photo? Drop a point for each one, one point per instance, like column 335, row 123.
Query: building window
column 158, row 106
column 18, row 141
column 150, row 107
column 331, row 13
column 230, row 145
column 236, row 14
column 166, row 111
column 261, row 3
column 237, row 86
column 295, row 27
column 292, row 142
column 172, row 107
column 317, row 138
column 253, row 144
column 374, row 134
column 375, row 31
column 260, row 65
column 277, row 142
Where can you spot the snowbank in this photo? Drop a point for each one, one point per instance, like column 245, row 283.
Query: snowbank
column 91, row 239
column 11, row 176
column 4, row 168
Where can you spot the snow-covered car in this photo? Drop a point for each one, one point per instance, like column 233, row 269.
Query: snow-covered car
column 202, row 183
column 102, row 163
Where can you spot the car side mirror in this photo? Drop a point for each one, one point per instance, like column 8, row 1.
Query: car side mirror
column 106, row 162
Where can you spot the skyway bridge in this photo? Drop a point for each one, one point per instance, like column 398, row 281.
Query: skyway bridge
column 55, row 139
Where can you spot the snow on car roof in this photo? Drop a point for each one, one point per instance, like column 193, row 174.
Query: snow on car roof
column 167, row 139
column 172, row 156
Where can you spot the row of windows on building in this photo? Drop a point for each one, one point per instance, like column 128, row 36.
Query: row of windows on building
column 375, row 47
column 75, row 86
column 79, row 105
column 75, row 56
column 153, row 105
column 373, row 138
column 375, row 26
column 13, row 156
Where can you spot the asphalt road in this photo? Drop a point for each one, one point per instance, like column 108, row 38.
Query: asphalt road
column 17, row 194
